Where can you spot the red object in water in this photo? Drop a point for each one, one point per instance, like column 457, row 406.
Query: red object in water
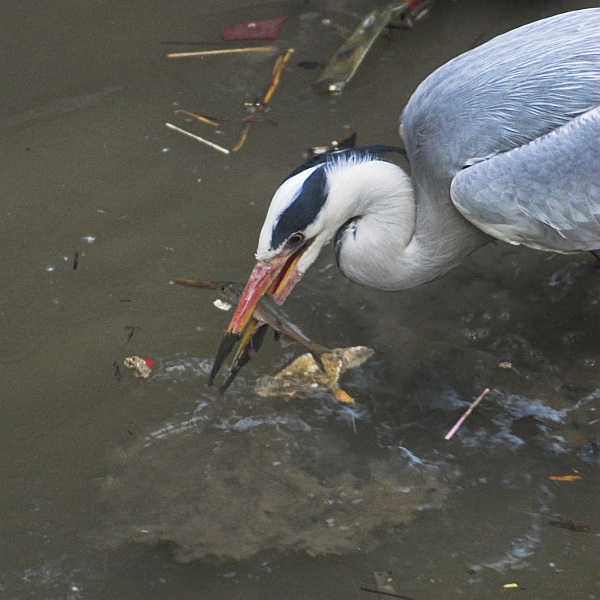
column 267, row 29
column 149, row 363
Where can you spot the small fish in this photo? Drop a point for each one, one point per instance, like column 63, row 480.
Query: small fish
column 273, row 315
column 266, row 314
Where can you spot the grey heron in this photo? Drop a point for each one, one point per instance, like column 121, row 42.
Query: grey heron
column 503, row 143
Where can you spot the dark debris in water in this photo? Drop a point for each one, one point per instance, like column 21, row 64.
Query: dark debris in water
column 565, row 523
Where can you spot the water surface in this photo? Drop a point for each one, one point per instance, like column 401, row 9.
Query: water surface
column 117, row 488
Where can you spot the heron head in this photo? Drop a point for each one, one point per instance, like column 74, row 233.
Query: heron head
column 294, row 231
column 305, row 213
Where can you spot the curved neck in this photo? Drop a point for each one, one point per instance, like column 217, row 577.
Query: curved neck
column 393, row 239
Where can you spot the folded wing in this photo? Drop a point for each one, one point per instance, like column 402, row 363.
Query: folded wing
column 544, row 194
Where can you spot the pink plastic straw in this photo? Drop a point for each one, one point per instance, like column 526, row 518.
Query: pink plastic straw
column 467, row 413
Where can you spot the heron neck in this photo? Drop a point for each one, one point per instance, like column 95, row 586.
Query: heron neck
column 399, row 237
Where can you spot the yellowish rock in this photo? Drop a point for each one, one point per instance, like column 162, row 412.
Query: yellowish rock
column 303, row 374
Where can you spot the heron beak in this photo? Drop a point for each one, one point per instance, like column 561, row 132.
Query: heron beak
column 276, row 277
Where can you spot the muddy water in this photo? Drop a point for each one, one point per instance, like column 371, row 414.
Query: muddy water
column 116, row 488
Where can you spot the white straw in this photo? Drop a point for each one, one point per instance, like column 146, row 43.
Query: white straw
column 198, row 138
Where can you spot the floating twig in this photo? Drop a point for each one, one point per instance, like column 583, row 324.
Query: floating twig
column 391, row 594
column 117, row 370
column 565, row 523
column 191, row 43
column 222, row 51
column 280, row 63
column 567, row 478
column 467, row 413
column 260, row 107
column 197, row 138
column 201, row 118
column 131, row 329
column 242, row 137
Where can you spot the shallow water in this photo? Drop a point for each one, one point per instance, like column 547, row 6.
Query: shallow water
column 117, row 488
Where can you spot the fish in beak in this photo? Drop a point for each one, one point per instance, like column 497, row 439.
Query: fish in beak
column 266, row 314
column 276, row 277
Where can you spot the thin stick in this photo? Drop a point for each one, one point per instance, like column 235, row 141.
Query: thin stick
column 366, row 589
column 242, row 137
column 223, row 51
column 200, row 118
column 262, row 105
column 197, row 138
column 277, row 70
column 467, row 413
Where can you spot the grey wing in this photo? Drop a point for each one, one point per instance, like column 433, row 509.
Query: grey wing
column 545, row 194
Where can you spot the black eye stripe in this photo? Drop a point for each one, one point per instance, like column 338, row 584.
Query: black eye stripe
column 312, row 196
column 303, row 210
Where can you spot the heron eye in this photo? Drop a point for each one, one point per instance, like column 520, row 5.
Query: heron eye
column 296, row 239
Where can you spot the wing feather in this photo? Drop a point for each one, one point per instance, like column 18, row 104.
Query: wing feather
column 544, row 194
